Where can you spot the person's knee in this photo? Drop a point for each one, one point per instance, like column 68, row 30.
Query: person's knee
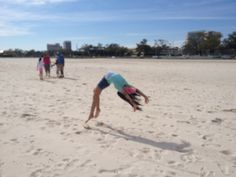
column 97, row 91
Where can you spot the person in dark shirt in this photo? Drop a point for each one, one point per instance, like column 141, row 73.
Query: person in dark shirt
column 60, row 62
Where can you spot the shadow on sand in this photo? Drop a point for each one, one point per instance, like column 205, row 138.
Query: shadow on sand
column 183, row 147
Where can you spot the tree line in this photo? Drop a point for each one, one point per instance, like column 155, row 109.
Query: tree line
column 201, row 43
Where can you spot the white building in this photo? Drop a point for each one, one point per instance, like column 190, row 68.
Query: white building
column 54, row 47
column 67, row 45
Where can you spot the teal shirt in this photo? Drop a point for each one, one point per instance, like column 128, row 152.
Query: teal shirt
column 118, row 81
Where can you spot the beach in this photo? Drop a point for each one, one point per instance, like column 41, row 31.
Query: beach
column 187, row 129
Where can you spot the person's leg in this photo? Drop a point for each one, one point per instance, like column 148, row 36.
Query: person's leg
column 62, row 70
column 49, row 70
column 57, row 70
column 95, row 107
column 45, row 68
column 41, row 74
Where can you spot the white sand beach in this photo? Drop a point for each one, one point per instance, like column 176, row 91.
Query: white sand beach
column 188, row 129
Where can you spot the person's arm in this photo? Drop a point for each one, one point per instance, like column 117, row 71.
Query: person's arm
column 143, row 95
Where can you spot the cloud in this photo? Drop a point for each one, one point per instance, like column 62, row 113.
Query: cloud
column 36, row 2
column 11, row 30
column 12, row 15
column 135, row 34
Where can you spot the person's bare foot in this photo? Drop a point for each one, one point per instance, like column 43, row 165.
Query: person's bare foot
column 90, row 117
column 86, row 126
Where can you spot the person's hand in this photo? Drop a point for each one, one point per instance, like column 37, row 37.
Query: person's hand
column 135, row 107
column 146, row 99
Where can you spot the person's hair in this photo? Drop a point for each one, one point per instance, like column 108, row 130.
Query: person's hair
column 134, row 98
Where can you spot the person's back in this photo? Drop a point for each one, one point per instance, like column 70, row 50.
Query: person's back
column 46, row 60
column 118, row 81
column 60, row 59
column 60, row 65
column 40, row 66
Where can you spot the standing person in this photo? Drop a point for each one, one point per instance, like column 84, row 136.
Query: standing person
column 125, row 91
column 47, row 63
column 40, row 66
column 60, row 62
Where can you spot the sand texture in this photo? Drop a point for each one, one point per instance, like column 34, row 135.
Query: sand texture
column 188, row 129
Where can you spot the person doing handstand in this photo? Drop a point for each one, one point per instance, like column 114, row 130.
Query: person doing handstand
column 125, row 91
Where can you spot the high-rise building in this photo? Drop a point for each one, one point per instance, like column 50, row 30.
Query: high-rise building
column 54, row 47
column 67, row 45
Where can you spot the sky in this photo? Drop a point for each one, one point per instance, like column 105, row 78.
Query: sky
column 32, row 24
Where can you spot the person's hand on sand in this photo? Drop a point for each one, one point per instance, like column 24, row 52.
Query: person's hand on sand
column 146, row 99
column 135, row 107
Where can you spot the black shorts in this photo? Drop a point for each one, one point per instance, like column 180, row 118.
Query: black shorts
column 103, row 83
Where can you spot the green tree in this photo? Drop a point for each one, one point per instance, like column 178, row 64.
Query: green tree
column 230, row 42
column 160, row 46
column 143, row 49
column 202, row 42
column 87, row 50
column 212, row 42
column 116, row 50
column 194, row 43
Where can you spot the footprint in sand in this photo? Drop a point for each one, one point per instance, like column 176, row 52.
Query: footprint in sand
column 68, row 164
column 229, row 110
column 174, row 163
column 217, row 121
column 36, row 173
column 170, row 174
column 28, row 117
column 224, row 169
column 114, row 171
column 1, row 164
column 86, row 163
column 190, row 158
column 226, row 152
column 77, row 132
column 207, row 173
column 207, row 137
column 37, row 151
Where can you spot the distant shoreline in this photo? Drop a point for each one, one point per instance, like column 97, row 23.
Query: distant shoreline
column 132, row 58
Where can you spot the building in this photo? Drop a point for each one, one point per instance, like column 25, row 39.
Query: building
column 54, row 47
column 67, row 45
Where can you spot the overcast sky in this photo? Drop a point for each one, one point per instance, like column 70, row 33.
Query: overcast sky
column 31, row 24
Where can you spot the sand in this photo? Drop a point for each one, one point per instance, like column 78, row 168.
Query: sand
column 187, row 130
